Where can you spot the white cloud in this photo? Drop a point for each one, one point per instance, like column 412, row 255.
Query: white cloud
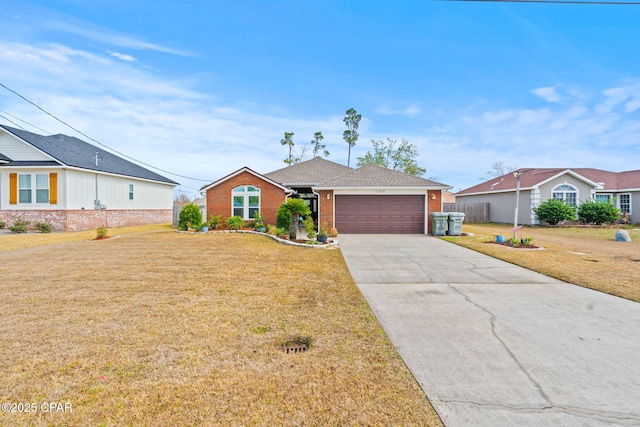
column 122, row 56
column 409, row 111
column 549, row 94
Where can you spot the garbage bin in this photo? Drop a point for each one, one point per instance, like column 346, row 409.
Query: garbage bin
column 439, row 223
column 455, row 223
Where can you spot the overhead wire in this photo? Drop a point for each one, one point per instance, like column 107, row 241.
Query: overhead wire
column 612, row 3
column 98, row 142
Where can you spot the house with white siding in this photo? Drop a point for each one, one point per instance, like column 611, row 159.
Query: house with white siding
column 537, row 185
column 74, row 185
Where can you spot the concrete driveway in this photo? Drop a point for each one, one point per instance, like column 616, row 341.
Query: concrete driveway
column 493, row 344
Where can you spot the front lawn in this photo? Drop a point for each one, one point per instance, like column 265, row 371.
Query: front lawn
column 587, row 257
column 161, row 328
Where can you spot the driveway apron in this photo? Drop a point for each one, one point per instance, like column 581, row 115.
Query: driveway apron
column 493, row 344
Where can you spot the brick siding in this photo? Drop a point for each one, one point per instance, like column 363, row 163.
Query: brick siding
column 326, row 209
column 76, row 220
column 219, row 197
column 435, row 205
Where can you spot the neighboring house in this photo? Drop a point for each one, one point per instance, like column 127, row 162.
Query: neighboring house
column 574, row 185
column 370, row 199
column 75, row 185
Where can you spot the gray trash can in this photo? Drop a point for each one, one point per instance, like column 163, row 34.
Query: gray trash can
column 455, row 223
column 439, row 223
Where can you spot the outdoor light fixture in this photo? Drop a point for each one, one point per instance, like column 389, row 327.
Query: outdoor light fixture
column 433, row 196
column 328, row 196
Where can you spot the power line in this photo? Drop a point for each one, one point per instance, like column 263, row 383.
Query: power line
column 11, row 121
column 23, row 121
column 613, row 3
column 98, row 142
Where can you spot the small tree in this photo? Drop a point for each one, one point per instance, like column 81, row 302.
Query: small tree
column 593, row 212
column 190, row 215
column 295, row 207
column 283, row 217
column 554, row 211
column 317, row 146
column 352, row 120
column 288, row 140
column 402, row 158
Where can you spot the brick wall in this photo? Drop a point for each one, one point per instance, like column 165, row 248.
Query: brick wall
column 435, row 205
column 219, row 197
column 77, row 220
column 326, row 209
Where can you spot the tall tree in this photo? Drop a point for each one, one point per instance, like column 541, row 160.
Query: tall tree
column 402, row 158
column 287, row 140
column 318, row 146
column 352, row 120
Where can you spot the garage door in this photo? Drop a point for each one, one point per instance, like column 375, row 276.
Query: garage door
column 380, row 214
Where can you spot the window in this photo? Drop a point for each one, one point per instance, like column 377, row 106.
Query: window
column 567, row 193
column 624, row 201
column 603, row 197
column 246, row 201
column 26, row 189
column 130, row 191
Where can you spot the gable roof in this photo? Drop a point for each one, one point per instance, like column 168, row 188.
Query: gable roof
column 308, row 173
column 73, row 152
column 378, row 176
column 248, row 170
column 533, row 177
column 4, row 159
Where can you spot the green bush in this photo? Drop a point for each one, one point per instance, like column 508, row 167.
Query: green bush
column 3, row 224
column 19, row 226
column 101, row 232
column 235, row 222
column 592, row 212
column 309, row 227
column 44, row 227
column 283, row 217
column 297, row 208
column 554, row 211
column 189, row 216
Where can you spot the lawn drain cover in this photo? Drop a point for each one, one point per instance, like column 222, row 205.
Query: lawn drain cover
column 296, row 344
column 295, row 348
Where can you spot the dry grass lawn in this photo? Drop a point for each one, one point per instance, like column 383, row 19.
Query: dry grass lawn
column 160, row 328
column 587, row 257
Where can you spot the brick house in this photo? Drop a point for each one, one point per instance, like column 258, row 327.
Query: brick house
column 369, row 199
column 74, row 185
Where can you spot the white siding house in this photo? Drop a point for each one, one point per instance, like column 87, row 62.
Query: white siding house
column 57, row 179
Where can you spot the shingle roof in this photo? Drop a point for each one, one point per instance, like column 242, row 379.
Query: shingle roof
column 4, row 158
column 71, row 151
column 378, row 176
column 308, row 173
column 531, row 177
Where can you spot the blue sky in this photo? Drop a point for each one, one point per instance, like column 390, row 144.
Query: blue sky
column 202, row 88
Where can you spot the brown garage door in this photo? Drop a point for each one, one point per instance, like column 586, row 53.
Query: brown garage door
column 380, row 214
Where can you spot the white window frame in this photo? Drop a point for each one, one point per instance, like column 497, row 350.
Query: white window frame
column 558, row 190
column 34, row 189
column 244, row 192
column 131, row 192
column 620, row 202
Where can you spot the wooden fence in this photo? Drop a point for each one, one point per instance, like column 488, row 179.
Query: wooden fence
column 473, row 212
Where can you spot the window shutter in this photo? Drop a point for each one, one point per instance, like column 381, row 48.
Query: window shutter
column 13, row 188
column 53, row 188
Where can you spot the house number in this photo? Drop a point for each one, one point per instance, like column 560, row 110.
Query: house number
column 379, row 191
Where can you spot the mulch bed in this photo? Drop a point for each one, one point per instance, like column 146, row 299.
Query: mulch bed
column 520, row 246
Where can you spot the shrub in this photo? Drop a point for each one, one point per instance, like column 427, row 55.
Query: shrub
column 592, row 212
column 554, row 211
column 235, row 222
column 189, row 214
column 333, row 233
column 309, row 227
column 296, row 207
column 101, row 232
column 283, row 217
column 3, row 224
column 44, row 227
column 19, row 226
column 214, row 221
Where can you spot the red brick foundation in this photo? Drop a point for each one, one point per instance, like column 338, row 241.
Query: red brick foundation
column 77, row 220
